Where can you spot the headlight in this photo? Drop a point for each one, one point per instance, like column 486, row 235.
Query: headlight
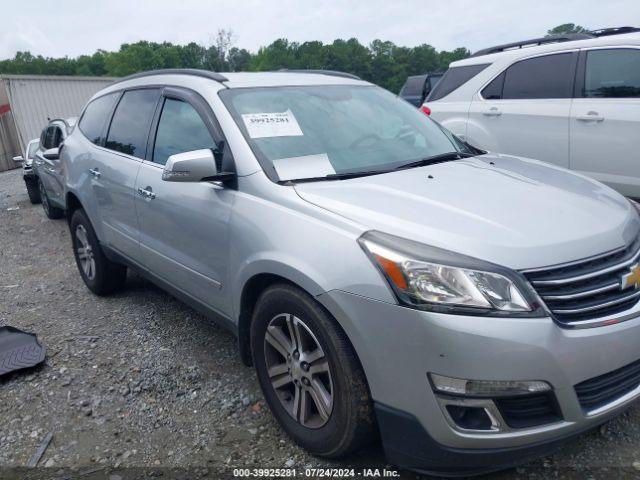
column 432, row 278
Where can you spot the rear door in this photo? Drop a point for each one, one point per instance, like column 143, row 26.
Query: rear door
column 605, row 118
column 114, row 169
column 184, row 227
column 525, row 109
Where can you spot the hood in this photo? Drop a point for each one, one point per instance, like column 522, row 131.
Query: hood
column 515, row 212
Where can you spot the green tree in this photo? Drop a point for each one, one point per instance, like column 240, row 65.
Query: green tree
column 566, row 28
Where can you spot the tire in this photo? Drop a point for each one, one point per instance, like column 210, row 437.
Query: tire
column 102, row 276
column 49, row 210
column 32, row 190
column 349, row 424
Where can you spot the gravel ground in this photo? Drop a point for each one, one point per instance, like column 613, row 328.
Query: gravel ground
column 138, row 385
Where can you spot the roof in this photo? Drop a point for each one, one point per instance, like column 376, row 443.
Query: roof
column 239, row 79
column 34, row 99
column 613, row 40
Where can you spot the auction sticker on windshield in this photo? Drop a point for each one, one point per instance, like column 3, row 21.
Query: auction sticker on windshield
column 277, row 124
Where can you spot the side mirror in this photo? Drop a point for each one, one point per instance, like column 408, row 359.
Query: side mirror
column 18, row 159
column 52, row 154
column 194, row 166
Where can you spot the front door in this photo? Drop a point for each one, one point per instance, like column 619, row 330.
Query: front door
column 184, row 227
column 605, row 118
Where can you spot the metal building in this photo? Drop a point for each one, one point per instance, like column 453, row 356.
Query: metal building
column 28, row 101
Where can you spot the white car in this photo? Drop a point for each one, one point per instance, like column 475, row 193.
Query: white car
column 571, row 100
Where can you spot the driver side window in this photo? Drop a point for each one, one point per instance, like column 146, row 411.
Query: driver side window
column 180, row 130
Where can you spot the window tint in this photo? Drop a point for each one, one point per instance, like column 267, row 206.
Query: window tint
column 414, row 86
column 550, row 76
column 453, row 78
column 180, row 130
column 612, row 73
column 494, row 89
column 94, row 118
column 129, row 128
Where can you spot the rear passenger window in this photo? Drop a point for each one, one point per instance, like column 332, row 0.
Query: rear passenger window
column 180, row 130
column 94, row 118
column 129, row 128
column 453, row 78
column 612, row 73
column 550, row 76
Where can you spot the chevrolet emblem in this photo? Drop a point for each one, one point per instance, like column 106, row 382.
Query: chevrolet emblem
column 631, row 278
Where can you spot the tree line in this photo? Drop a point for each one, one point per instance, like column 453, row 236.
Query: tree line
column 380, row 62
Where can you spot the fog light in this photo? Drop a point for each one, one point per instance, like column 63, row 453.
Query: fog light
column 486, row 388
column 470, row 418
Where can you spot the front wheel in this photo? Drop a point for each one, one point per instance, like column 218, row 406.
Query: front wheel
column 32, row 190
column 50, row 211
column 309, row 373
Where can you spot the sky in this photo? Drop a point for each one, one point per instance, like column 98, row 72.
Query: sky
column 75, row 27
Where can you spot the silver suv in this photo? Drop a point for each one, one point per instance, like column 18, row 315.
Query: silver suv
column 380, row 275
column 571, row 100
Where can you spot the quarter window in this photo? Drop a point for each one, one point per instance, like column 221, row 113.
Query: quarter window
column 612, row 73
column 129, row 129
column 180, row 130
column 454, row 78
column 94, row 118
column 549, row 76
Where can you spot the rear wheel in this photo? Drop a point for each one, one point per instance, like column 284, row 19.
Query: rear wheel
column 100, row 275
column 32, row 190
column 50, row 211
column 309, row 373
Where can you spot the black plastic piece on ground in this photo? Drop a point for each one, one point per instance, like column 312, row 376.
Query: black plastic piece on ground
column 19, row 350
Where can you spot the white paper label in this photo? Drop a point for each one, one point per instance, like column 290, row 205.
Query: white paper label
column 303, row 167
column 277, row 124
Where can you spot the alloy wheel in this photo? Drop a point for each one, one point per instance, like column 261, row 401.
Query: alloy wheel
column 298, row 370
column 85, row 253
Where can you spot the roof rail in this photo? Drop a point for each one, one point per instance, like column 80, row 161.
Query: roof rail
column 603, row 32
column 568, row 37
column 333, row 73
column 177, row 71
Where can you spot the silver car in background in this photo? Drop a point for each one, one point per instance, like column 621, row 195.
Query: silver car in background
column 48, row 169
column 381, row 276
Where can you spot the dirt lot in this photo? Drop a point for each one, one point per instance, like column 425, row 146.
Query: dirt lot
column 138, row 385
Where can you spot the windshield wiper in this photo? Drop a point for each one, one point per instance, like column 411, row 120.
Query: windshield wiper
column 341, row 176
column 442, row 157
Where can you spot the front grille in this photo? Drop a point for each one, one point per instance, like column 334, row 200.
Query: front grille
column 530, row 410
column 590, row 288
column 599, row 391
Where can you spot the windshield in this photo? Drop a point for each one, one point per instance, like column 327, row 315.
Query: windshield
column 313, row 131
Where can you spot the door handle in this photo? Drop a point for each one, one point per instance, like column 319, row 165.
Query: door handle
column 146, row 192
column 590, row 117
column 95, row 172
column 492, row 112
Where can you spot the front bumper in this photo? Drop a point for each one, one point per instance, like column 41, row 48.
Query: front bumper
column 398, row 346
